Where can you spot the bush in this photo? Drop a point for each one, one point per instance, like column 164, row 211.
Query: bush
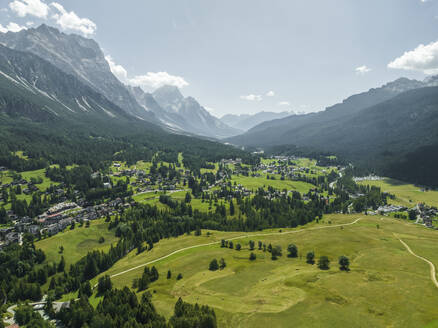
column 213, row 265
column 324, row 263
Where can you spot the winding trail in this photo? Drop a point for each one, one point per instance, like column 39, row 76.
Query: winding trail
column 432, row 266
column 234, row 238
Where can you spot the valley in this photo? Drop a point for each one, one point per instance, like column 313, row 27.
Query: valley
column 179, row 164
column 254, row 292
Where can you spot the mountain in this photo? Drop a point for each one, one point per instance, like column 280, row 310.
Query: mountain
column 379, row 129
column 246, row 121
column 275, row 132
column 181, row 113
column 78, row 56
column 33, row 88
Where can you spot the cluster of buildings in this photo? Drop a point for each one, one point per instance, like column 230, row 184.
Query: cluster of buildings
column 371, row 177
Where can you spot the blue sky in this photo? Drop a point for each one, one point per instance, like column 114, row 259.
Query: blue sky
column 244, row 56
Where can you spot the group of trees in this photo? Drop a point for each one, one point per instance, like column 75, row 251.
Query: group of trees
column 215, row 265
column 121, row 308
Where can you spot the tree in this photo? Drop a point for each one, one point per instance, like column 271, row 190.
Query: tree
column 231, row 245
column 188, row 198
column 72, row 225
column 223, row 243
column 412, row 215
column 252, row 256
column 260, row 245
column 213, row 265
column 310, row 257
column 154, row 274
column 293, row 250
column 275, row 252
column 251, row 245
column 179, row 276
column 323, row 263
column 104, row 285
column 61, row 265
column 61, row 249
column 222, row 264
column 232, row 211
column 344, row 263
column 169, row 274
column 238, row 247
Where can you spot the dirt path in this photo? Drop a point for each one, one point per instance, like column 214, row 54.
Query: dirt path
column 234, row 238
column 432, row 266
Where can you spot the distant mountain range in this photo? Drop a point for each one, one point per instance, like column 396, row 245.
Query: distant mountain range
column 178, row 113
column 83, row 59
column 378, row 128
column 247, row 121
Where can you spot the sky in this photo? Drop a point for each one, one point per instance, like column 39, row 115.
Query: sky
column 245, row 56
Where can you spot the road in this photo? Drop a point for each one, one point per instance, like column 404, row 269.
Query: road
column 432, row 266
column 234, row 238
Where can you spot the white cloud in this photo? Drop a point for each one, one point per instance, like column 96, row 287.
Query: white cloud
column 29, row 24
column 11, row 27
column 149, row 80
column 29, row 7
column 424, row 58
column 158, row 79
column 284, row 103
column 362, row 69
column 252, row 97
column 270, row 94
column 71, row 21
column 118, row 70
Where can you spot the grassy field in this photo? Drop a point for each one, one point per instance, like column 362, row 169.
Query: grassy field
column 259, row 182
column 77, row 242
column 406, row 194
column 386, row 287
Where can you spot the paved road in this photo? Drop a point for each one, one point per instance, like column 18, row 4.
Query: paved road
column 234, row 238
column 432, row 266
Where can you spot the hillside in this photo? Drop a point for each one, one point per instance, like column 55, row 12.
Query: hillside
column 247, row 121
column 376, row 129
column 77, row 56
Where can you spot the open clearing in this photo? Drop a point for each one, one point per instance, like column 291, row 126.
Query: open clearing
column 77, row 242
column 406, row 194
column 386, row 286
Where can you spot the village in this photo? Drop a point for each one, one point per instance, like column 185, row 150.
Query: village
column 216, row 184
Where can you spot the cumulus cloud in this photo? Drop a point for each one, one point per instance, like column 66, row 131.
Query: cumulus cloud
column 118, row 70
column 270, row 94
column 11, row 27
column 424, row 58
column 30, row 7
column 70, row 21
column 252, row 97
column 158, row 79
column 284, row 103
column 362, row 69
column 149, row 80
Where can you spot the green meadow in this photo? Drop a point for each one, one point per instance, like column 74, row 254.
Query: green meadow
column 77, row 242
column 406, row 194
column 386, row 286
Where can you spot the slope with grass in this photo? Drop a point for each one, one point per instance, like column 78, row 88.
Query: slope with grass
column 406, row 194
column 77, row 242
column 386, row 286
